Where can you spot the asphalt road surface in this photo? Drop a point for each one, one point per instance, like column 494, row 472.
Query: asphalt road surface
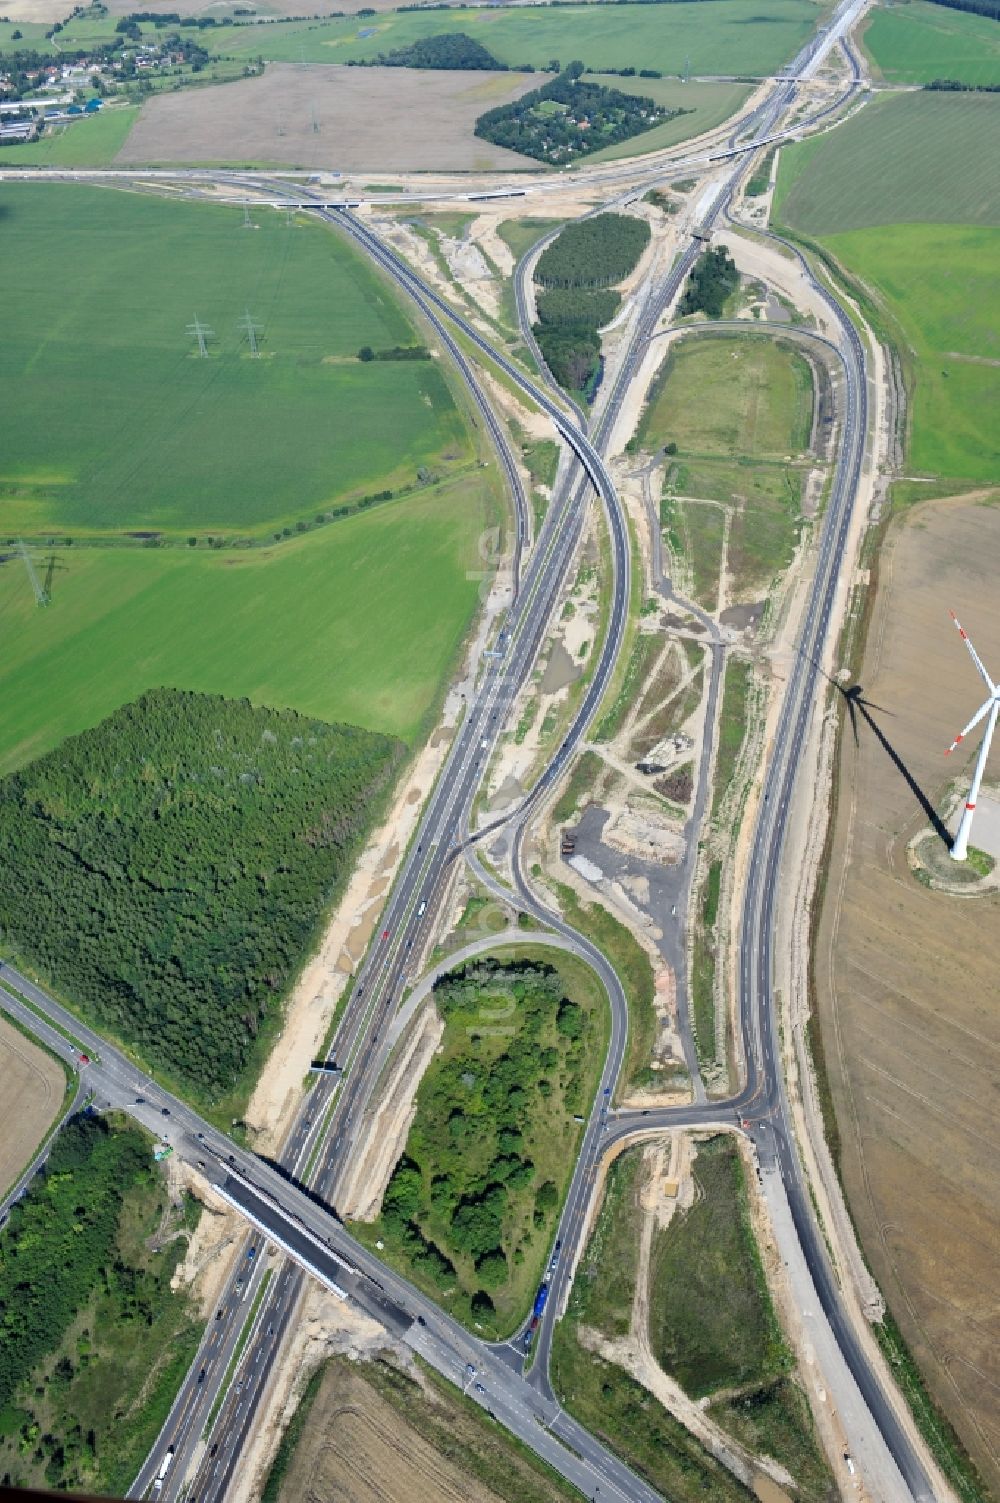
column 277, row 1206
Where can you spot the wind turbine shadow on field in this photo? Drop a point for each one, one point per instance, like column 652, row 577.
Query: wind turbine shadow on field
column 858, row 705
column 853, row 696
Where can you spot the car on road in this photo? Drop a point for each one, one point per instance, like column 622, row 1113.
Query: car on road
column 165, row 1111
column 201, row 1376
column 480, row 1388
column 140, row 1101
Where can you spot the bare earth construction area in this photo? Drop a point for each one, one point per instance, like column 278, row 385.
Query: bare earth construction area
column 344, row 119
column 907, row 977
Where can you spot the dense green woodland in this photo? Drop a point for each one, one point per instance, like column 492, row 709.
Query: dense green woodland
column 576, row 273
column 594, row 252
column 58, row 1241
column 473, row 1200
column 166, row 870
column 92, row 1339
column 977, row 7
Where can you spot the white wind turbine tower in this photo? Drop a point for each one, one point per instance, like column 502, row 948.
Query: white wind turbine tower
column 991, row 707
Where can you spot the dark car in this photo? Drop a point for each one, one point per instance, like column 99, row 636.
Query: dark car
column 165, row 1111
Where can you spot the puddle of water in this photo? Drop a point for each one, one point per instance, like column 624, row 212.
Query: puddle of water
column 560, row 670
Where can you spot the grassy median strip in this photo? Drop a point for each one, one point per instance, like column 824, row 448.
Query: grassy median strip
column 703, row 966
column 635, row 971
column 732, row 727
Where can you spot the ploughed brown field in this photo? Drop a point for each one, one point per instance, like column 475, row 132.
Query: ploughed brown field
column 908, row 980
column 375, row 1436
column 33, row 1090
column 367, row 120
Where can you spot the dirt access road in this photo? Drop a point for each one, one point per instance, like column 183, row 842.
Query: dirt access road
column 907, row 978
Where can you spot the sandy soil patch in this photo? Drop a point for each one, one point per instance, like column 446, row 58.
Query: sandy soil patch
column 206, row 1264
column 907, row 977
column 319, row 987
column 384, row 1133
column 33, row 1090
column 367, row 119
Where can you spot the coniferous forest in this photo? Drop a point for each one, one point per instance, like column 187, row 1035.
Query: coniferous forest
column 167, row 870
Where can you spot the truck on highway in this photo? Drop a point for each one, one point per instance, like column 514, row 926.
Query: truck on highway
column 540, row 1298
column 165, row 1465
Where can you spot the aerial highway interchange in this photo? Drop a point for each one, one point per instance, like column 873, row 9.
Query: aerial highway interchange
column 288, row 1203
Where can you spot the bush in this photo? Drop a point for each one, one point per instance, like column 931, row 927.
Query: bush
column 712, row 280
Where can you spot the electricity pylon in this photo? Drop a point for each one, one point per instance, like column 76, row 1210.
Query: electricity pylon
column 41, row 595
column 201, row 332
column 250, row 329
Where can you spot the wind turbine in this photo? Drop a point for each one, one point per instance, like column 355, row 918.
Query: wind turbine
column 991, row 707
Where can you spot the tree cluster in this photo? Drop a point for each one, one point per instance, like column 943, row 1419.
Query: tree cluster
column 459, row 1201
column 570, row 117
column 596, row 252
column 576, row 273
column 952, row 86
column 397, row 352
column 713, row 279
column 167, row 869
column 989, row 8
column 449, row 50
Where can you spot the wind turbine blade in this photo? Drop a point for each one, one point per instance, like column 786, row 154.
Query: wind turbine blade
column 977, row 717
column 973, row 653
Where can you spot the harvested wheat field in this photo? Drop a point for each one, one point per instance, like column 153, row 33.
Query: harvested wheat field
column 908, row 979
column 33, row 1089
column 328, row 116
column 371, row 1434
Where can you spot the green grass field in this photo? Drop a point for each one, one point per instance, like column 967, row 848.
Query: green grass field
column 940, row 283
column 358, row 622
column 706, row 104
column 711, row 1322
column 94, row 142
column 919, row 42
column 935, row 278
column 729, row 36
column 911, row 158
column 602, row 1395
column 735, row 408
column 112, row 421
